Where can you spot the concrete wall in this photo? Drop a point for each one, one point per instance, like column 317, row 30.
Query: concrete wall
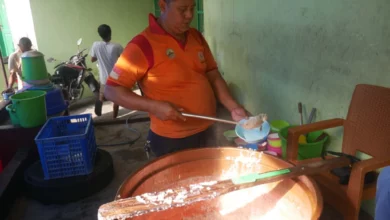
column 59, row 24
column 277, row 53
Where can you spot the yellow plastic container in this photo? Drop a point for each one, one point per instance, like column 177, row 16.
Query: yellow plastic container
column 274, row 140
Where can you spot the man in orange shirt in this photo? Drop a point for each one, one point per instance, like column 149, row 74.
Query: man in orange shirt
column 176, row 72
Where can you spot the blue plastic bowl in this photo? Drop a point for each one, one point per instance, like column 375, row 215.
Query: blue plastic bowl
column 7, row 95
column 252, row 146
column 253, row 135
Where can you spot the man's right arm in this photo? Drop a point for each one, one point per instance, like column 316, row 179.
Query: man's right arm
column 12, row 63
column 93, row 53
column 119, row 50
column 127, row 98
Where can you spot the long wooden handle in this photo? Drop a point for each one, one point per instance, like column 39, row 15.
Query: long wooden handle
column 209, row 118
column 177, row 197
column 303, row 169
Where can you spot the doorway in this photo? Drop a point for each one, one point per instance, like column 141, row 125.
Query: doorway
column 6, row 42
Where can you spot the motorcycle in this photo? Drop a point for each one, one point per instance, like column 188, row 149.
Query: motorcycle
column 71, row 74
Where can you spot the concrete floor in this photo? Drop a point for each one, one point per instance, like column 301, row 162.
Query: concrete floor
column 126, row 160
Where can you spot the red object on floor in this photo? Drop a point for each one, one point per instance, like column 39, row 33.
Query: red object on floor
column 12, row 136
column 1, row 166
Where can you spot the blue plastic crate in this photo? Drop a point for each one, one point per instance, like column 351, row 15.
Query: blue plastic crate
column 67, row 146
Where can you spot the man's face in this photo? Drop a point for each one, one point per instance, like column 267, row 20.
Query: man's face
column 178, row 14
column 24, row 48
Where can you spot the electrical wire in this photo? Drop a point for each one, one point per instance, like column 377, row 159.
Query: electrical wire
column 130, row 142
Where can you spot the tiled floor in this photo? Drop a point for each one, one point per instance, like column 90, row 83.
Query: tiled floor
column 126, row 160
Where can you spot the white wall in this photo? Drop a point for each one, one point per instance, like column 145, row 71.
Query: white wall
column 20, row 21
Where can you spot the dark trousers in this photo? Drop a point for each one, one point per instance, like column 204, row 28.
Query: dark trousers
column 162, row 145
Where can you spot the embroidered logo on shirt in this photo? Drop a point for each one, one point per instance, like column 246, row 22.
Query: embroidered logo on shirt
column 170, row 53
column 201, row 57
column 114, row 75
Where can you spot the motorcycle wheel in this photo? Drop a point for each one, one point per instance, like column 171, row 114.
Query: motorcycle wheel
column 72, row 93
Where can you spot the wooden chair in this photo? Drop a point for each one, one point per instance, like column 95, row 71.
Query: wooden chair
column 366, row 129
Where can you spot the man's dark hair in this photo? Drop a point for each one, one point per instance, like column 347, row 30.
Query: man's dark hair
column 25, row 42
column 104, row 32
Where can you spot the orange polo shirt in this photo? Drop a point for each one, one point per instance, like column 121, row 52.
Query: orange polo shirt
column 170, row 71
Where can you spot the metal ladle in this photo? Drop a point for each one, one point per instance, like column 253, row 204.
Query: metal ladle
column 248, row 135
column 209, row 118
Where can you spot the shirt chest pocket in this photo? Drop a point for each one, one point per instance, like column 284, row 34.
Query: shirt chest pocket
column 198, row 59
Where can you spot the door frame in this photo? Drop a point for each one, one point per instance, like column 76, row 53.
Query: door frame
column 6, row 47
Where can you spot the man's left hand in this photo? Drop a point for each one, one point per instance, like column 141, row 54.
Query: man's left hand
column 239, row 113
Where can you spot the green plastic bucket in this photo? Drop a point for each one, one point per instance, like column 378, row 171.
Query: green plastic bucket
column 29, row 108
column 33, row 67
column 305, row 151
column 277, row 125
column 230, row 135
column 12, row 115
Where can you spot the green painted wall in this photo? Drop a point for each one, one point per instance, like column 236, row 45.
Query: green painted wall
column 2, row 80
column 59, row 24
column 277, row 53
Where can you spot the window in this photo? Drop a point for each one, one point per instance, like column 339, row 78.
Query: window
column 198, row 22
column 157, row 11
column 200, row 16
column 6, row 42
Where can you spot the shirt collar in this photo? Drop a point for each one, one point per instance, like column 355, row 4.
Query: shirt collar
column 155, row 26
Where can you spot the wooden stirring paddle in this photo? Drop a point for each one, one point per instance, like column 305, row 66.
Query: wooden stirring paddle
column 181, row 196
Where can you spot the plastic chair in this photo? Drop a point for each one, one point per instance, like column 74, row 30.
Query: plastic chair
column 366, row 129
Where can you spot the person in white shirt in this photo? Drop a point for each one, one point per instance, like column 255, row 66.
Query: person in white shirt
column 106, row 53
column 15, row 63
